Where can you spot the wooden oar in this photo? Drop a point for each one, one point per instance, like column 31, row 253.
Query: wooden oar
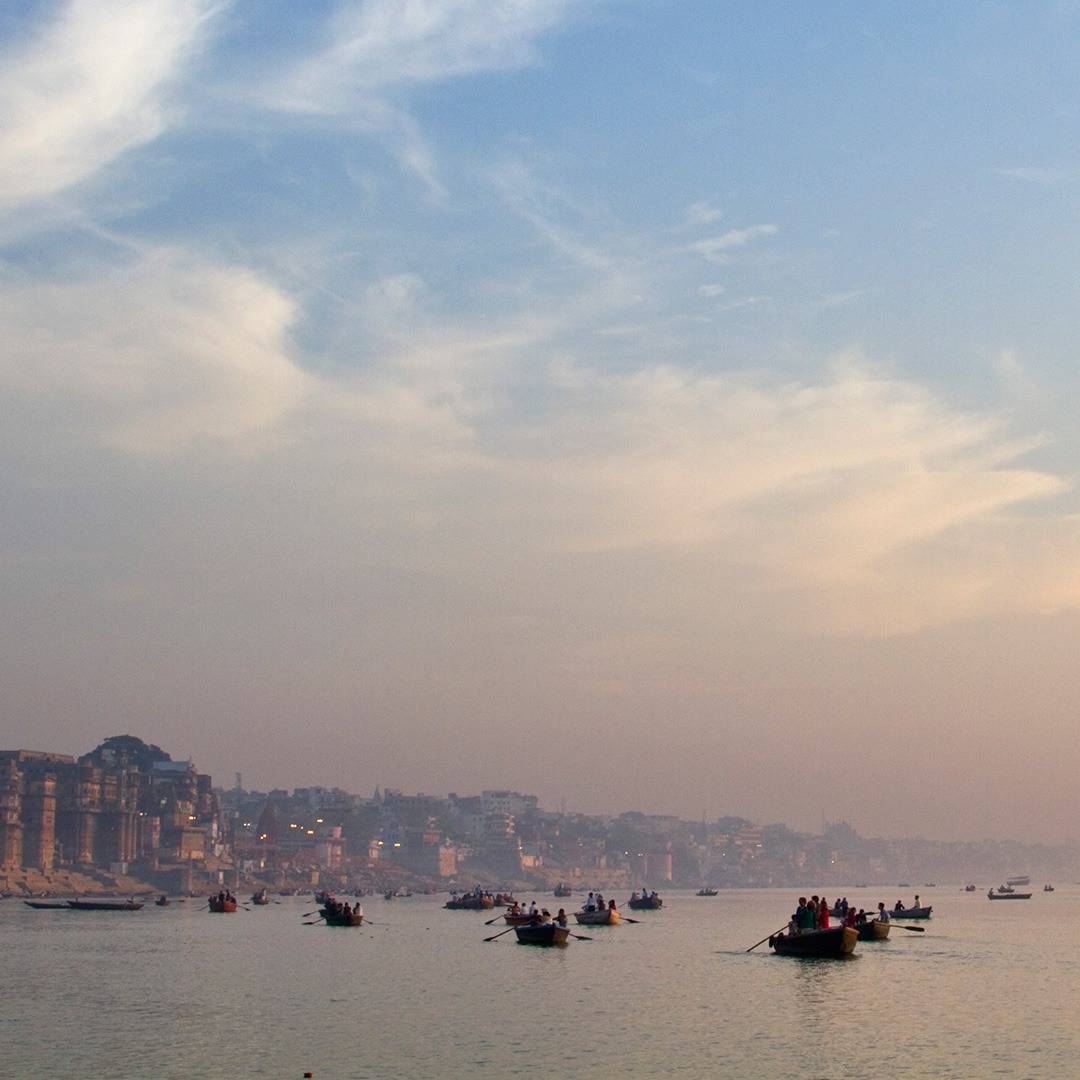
column 580, row 937
column 308, row 914
column 914, row 929
column 626, row 918
column 496, row 919
column 494, row 936
column 764, row 939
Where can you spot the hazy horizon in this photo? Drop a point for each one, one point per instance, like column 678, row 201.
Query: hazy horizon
column 666, row 406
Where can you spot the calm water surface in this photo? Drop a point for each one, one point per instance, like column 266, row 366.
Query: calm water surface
column 990, row 989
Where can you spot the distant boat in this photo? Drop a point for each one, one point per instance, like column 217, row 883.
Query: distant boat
column 706, row 891
column 969, row 888
column 221, row 905
column 162, row 901
column 1023, row 880
column 563, row 890
column 645, row 903
column 260, row 899
column 52, row 905
column 1048, row 888
column 1010, row 895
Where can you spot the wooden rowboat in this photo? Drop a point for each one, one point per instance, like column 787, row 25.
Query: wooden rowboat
column 52, row 905
column 221, row 906
column 607, row 917
column 1008, row 895
column 550, row 934
column 342, row 918
column 873, row 930
column 645, row 903
column 105, row 905
column 913, row 912
column 835, row 942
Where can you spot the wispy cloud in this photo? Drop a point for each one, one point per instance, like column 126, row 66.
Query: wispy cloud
column 89, row 86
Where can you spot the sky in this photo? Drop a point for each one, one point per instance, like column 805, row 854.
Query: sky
column 657, row 406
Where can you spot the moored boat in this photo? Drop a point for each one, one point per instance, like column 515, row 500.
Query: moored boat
column 837, row 941
column 544, row 934
column 52, row 905
column 105, row 905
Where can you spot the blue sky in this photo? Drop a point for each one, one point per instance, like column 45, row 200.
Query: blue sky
column 647, row 406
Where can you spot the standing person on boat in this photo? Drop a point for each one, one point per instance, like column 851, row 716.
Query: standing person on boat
column 561, row 917
column 823, row 914
column 799, row 915
column 807, row 915
column 590, row 904
column 882, row 914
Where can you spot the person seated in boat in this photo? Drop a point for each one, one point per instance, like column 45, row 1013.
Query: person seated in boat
column 561, row 917
column 590, row 904
column 860, row 916
column 600, row 904
column 806, row 915
column 611, row 905
column 916, row 904
column 515, row 908
column 635, row 895
column 849, row 917
column 882, row 914
column 533, row 909
column 899, row 906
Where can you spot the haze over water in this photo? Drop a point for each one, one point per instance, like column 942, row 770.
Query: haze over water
column 688, row 387
column 987, row 989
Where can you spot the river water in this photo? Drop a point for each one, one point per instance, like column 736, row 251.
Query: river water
column 989, row 989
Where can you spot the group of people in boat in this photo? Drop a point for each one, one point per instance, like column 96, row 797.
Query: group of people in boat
column 332, row 906
column 643, row 895
column 538, row 916
column 596, row 902
column 815, row 914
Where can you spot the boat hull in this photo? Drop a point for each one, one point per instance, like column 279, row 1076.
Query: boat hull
column 873, row 930
column 835, row 942
column 340, row 919
column 608, row 917
column 542, row 935
column 1009, row 896
column 651, row 903
column 221, row 907
column 105, row 905
column 913, row 913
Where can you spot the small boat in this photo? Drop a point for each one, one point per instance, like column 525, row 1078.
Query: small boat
column 873, row 930
column 913, row 912
column 105, row 905
column 522, row 918
column 1006, row 888
column 837, row 941
column 607, row 917
column 645, row 903
column 563, row 890
column 260, row 898
column 969, row 888
column 1022, row 880
column 1048, row 888
column 1010, row 895
column 544, row 934
column 470, row 902
column 162, row 901
column 342, row 918
column 221, row 905
column 51, row 905
column 706, row 891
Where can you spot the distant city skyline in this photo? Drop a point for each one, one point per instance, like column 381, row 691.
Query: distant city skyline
column 656, row 405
